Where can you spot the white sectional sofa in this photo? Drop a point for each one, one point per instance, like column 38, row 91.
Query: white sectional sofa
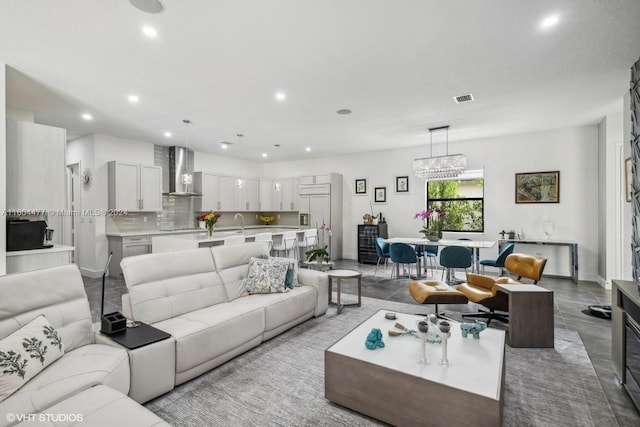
column 198, row 296
column 89, row 381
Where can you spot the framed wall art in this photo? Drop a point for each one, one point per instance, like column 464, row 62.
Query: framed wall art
column 538, row 187
column 380, row 195
column 361, row 186
column 402, row 184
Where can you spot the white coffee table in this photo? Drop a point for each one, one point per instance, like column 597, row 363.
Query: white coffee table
column 340, row 275
column 388, row 384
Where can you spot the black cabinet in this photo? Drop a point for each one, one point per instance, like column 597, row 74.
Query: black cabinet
column 367, row 234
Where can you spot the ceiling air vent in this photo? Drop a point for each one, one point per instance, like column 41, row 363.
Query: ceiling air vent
column 463, row 98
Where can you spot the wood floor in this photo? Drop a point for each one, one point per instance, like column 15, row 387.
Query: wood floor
column 569, row 302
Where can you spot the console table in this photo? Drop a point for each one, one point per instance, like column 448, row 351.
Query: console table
column 573, row 252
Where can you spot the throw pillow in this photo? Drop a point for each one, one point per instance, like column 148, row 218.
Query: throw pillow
column 288, row 279
column 26, row 352
column 288, row 262
column 265, row 276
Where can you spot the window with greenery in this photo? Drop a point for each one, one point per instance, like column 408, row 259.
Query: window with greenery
column 462, row 201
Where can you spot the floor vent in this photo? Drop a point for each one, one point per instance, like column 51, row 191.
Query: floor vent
column 463, row 98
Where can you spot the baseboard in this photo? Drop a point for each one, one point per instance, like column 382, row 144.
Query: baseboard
column 94, row 274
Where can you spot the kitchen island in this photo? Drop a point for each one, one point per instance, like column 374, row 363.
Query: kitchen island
column 167, row 243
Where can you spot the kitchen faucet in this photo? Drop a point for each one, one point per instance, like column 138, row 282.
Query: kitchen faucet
column 241, row 217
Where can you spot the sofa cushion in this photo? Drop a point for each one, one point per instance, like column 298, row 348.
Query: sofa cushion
column 290, row 262
column 98, row 406
column 165, row 285
column 57, row 293
column 265, row 276
column 77, row 370
column 207, row 333
column 282, row 308
column 26, row 352
column 232, row 264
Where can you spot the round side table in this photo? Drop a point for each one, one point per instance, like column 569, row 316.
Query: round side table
column 344, row 274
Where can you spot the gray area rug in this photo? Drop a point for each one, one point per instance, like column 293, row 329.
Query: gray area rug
column 281, row 382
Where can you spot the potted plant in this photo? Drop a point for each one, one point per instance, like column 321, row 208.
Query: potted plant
column 318, row 255
column 432, row 230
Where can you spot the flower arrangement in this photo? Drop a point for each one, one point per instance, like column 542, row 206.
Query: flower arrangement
column 321, row 254
column 210, row 218
column 435, row 222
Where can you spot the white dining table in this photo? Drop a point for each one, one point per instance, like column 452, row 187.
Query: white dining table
column 474, row 245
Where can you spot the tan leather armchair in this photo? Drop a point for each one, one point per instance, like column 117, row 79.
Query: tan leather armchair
column 481, row 289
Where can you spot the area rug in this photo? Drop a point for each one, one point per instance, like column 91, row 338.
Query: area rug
column 281, row 382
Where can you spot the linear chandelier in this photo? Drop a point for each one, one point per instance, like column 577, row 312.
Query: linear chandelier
column 439, row 167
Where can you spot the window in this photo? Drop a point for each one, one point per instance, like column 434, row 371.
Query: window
column 462, row 201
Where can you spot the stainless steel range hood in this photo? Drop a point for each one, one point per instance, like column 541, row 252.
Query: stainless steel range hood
column 177, row 170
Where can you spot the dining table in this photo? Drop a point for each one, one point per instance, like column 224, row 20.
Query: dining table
column 473, row 245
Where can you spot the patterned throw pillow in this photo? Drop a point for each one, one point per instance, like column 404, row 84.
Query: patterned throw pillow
column 290, row 262
column 265, row 276
column 26, row 352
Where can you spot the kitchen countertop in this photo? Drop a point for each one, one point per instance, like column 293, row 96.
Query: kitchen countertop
column 55, row 248
column 219, row 235
column 193, row 231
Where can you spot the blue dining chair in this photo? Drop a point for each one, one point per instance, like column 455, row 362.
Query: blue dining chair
column 382, row 248
column 505, row 251
column 401, row 254
column 452, row 257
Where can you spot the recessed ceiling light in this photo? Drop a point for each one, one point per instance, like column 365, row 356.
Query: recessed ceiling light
column 281, row 96
column 307, row 149
column 264, row 154
column 168, row 135
column 549, row 21
column 224, row 145
column 133, row 98
column 87, row 116
column 344, row 111
column 150, row 32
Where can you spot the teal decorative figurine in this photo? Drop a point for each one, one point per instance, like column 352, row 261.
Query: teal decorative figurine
column 374, row 339
column 473, row 329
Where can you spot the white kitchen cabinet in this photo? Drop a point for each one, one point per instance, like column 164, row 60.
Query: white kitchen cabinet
column 226, row 193
column 315, row 179
column 35, row 166
column 285, row 194
column 246, row 194
column 266, row 188
column 134, row 187
column 207, row 185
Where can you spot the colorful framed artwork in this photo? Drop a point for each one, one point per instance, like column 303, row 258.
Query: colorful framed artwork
column 361, row 186
column 538, row 187
column 380, row 195
column 402, row 184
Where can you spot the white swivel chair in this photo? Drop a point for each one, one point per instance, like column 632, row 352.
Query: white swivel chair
column 234, row 240
column 309, row 240
column 265, row 237
column 289, row 245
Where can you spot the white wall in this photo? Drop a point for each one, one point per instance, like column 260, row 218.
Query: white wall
column 572, row 151
column 3, row 170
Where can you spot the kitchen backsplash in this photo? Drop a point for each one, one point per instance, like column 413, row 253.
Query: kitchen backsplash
column 177, row 213
column 133, row 221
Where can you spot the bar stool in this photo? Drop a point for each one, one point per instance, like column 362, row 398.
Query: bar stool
column 289, row 244
column 309, row 240
column 265, row 237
